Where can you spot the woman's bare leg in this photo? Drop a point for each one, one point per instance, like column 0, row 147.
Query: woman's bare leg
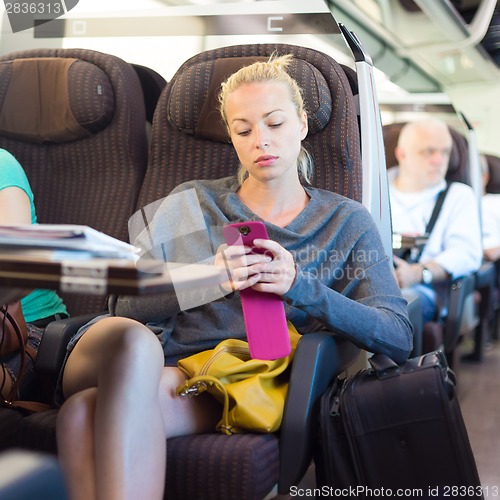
column 186, row 415
column 77, row 454
column 110, row 430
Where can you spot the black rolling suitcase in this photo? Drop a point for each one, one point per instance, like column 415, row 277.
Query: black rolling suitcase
column 396, row 431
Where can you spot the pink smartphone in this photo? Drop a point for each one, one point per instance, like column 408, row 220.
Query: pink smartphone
column 264, row 313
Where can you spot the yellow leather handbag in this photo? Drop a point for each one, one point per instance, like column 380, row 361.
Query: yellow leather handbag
column 252, row 391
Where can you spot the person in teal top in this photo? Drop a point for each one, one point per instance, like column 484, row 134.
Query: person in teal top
column 40, row 307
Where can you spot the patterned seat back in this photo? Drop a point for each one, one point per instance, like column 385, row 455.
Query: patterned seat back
column 493, row 185
column 75, row 120
column 189, row 142
column 152, row 84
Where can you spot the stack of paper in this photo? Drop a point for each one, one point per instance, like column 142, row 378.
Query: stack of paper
column 64, row 240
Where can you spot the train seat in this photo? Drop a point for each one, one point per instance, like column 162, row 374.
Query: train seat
column 152, row 84
column 493, row 185
column 75, row 120
column 9, row 420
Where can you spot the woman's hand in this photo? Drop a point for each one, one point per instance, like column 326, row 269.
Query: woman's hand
column 242, row 266
column 272, row 271
column 277, row 275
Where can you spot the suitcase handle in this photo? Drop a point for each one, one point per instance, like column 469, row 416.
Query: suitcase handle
column 384, row 366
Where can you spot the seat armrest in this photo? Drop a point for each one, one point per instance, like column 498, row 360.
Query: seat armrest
column 319, row 357
column 486, row 275
column 459, row 290
column 52, row 348
column 415, row 316
column 486, row 282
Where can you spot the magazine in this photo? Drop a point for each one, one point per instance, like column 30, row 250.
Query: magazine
column 77, row 241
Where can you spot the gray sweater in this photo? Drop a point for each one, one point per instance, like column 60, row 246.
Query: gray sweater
column 344, row 281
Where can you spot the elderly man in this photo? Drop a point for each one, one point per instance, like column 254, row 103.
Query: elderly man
column 454, row 245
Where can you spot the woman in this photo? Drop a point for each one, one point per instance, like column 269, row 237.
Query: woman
column 328, row 265
column 40, row 307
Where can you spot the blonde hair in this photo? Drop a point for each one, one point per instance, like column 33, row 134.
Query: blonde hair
column 274, row 69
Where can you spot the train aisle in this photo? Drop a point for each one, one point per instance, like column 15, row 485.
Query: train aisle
column 479, row 395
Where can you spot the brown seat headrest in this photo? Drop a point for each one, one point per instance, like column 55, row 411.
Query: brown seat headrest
column 198, row 87
column 493, row 185
column 53, row 99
